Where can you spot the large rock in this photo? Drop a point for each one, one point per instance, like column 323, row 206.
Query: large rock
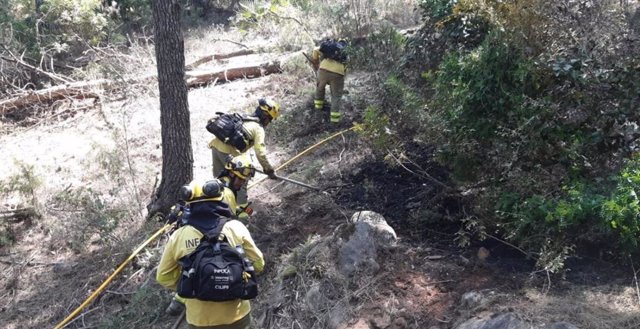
column 378, row 226
column 371, row 231
column 500, row 321
column 561, row 325
column 472, row 299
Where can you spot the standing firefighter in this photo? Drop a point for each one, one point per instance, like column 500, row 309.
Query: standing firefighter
column 235, row 135
column 237, row 171
column 329, row 60
column 209, row 240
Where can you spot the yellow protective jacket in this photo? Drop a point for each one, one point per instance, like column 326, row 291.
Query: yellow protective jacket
column 256, row 134
column 184, row 241
column 229, row 198
column 327, row 64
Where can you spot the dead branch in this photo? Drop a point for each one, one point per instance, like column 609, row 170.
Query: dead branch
column 17, row 60
column 304, row 27
column 17, row 215
column 508, row 244
column 73, row 90
column 196, row 79
column 29, row 263
column 179, row 320
column 422, row 172
column 635, row 279
column 234, row 42
column 219, row 56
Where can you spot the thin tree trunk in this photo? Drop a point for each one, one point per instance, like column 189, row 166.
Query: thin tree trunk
column 177, row 156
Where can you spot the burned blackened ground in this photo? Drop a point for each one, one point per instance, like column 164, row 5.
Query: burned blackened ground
column 411, row 191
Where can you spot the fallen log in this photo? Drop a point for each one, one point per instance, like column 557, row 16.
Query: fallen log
column 72, row 90
column 219, row 56
column 77, row 90
column 17, row 215
column 201, row 78
column 88, row 89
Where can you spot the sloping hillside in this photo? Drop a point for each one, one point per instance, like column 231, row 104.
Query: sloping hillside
column 88, row 168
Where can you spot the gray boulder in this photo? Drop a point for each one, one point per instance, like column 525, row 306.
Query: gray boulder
column 561, row 325
column 371, row 231
column 472, row 299
column 378, row 225
column 499, row 321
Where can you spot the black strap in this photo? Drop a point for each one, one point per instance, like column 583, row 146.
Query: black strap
column 213, row 234
column 246, row 118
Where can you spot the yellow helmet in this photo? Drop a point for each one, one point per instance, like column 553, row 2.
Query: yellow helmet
column 201, row 190
column 241, row 166
column 269, row 106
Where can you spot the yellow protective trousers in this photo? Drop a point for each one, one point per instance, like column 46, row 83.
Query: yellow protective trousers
column 336, row 83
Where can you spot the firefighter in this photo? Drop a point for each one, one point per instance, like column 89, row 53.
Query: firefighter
column 254, row 127
column 206, row 208
column 237, row 172
column 329, row 62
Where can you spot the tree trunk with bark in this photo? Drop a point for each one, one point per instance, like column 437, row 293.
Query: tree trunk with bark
column 177, row 157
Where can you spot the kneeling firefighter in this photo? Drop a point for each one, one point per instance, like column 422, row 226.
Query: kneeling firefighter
column 237, row 172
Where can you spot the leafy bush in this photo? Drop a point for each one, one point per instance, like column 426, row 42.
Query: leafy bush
column 87, row 218
column 24, row 183
column 144, row 309
column 375, row 129
column 537, row 124
column 589, row 211
column 300, row 23
column 380, row 51
column 477, row 94
column 437, row 9
column 620, row 212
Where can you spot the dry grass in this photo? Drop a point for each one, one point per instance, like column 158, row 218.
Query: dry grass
column 296, row 27
column 600, row 307
column 309, row 290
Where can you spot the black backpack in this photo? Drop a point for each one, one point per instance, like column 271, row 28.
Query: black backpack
column 334, row 50
column 228, row 128
column 217, row 271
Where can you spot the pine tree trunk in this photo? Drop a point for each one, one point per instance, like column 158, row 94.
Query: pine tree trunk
column 177, row 157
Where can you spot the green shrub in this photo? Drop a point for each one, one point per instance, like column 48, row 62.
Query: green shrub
column 7, row 235
column 25, row 183
column 144, row 309
column 598, row 210
column 620, row 212
column 437, row 9
column 477, row 94
column 375, row 129
column 533, row 115
column 381, row 51
column 85, row 217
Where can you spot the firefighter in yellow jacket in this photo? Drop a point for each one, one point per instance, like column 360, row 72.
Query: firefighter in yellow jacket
column 266, row 111
column 205, row 210
column 237, row 172
column 235, row 175
column 329, row 62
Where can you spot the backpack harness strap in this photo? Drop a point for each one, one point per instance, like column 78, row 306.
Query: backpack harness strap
column 211, row 237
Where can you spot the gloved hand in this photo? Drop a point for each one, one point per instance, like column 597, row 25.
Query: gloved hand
column 271, row 173
column 175, row 213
